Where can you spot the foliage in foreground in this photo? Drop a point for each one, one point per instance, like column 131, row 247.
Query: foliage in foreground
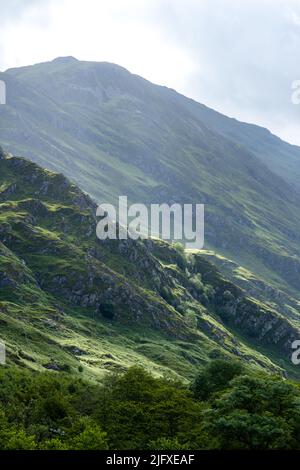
column 226, row 407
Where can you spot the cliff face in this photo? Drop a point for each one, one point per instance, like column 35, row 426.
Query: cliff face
column 249, row 315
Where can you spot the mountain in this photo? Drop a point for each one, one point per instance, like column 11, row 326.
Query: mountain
column 114, row 133
column 279, row 156
column 70, row 302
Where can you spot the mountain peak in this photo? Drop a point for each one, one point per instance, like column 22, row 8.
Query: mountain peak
column 65, row 60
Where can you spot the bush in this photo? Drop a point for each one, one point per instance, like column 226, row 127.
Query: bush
column 215, row 377
column 90, row 438
column 196, row 282
column 108, row 311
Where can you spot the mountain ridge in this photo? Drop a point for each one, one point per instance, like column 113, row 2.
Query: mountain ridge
column 221, row 120
column 68, row 300
column 116, row 133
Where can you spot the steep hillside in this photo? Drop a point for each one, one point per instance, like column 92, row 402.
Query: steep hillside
column 71, row 302
column 114, row 133
column 280, row 157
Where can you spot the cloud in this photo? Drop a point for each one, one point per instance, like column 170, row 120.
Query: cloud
column 13, row 9
column 20, row 21
column 246, row 55
column 237, row 56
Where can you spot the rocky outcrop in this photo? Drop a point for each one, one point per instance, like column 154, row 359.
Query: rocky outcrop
column 50, row 255
column 252, row 318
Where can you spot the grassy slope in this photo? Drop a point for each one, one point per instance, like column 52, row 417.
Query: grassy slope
column 281, row 157
column 115, row 133
column 67, row 300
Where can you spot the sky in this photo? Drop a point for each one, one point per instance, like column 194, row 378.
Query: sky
column 240, row 57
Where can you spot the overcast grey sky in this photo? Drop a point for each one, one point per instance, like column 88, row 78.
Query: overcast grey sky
column 237, row 56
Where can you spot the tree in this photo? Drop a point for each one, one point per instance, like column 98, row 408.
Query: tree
column 256, row 413
column 90, row 438
column 214, row 377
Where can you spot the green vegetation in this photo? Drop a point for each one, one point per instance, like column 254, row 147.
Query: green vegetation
column 69, row 302
column 140, row 344
column 135, row 410
column 114, row 133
